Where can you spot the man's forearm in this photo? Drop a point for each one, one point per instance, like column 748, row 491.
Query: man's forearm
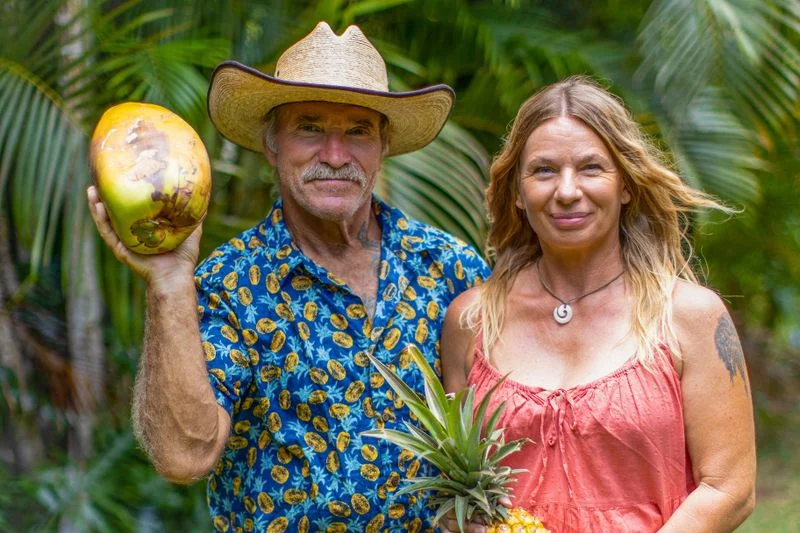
column 175, row 415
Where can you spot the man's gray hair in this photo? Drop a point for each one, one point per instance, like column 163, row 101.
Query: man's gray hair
column 270, row 127
column 271, row 130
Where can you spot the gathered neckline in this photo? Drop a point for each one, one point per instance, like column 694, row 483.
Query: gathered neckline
column 540, row 393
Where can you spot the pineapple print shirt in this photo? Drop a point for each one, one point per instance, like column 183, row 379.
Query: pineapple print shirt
column 285, row 343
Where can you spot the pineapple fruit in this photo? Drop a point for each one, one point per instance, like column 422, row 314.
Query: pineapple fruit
column 472, row 480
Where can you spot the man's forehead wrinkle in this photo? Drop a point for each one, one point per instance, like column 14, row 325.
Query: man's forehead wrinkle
column 364, row 122
column 307, row 118
column 339, row 118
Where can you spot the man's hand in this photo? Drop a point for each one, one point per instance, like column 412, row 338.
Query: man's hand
column 157, row 269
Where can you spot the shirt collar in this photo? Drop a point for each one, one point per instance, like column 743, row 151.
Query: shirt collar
column 400, row 234
column 281, row 248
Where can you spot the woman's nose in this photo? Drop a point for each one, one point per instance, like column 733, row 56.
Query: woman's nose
column 568, row 189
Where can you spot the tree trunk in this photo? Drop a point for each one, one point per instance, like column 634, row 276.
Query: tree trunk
column 19, row 434
column 84, row 323
column 84, row 306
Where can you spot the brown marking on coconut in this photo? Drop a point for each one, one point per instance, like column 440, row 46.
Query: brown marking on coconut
column 152, row 151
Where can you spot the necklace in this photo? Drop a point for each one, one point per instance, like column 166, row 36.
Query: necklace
column 563, row 313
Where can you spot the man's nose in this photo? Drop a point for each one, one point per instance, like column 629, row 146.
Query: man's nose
column 334, row 152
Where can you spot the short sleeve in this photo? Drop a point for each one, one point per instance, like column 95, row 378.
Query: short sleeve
column 468, row 268
column 227, row 356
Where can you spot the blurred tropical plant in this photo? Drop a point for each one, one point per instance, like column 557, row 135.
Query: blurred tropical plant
column 116, row 490
column 714, row 81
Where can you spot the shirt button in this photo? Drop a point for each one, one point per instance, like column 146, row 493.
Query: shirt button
column 386, row 417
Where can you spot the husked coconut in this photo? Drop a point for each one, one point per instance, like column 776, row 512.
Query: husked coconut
column 153, row 174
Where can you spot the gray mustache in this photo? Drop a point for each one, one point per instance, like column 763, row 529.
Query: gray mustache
column 348, row 172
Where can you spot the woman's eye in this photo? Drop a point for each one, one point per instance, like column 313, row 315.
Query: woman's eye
column 592, row 167
column 540, row 171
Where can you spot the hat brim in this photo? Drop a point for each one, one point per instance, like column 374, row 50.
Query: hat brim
column 240, row 97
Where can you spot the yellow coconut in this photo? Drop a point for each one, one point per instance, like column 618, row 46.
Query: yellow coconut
column 153, row 175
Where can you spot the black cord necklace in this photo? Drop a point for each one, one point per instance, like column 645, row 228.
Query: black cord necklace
column 563, row 313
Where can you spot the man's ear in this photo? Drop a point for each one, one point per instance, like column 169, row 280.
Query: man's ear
column 272, row 157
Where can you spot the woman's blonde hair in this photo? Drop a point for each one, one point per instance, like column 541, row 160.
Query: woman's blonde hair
column 653, row 225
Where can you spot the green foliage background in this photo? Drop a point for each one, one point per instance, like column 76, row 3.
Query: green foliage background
column 715, row 82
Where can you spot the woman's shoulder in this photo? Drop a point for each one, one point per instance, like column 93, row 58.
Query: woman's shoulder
column 692, row 302
column 696, row 312
column 454, row 323
column 465, row 299
column 458, row 341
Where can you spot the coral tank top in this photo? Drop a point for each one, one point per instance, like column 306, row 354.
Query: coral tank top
column 607, row 456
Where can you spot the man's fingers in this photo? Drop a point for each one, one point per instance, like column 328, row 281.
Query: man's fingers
column 100, row 217
column 91, row 193
column 180, row 261
column 104, row 227
column 97, row 209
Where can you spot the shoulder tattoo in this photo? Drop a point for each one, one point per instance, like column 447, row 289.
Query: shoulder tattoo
column 729, row 349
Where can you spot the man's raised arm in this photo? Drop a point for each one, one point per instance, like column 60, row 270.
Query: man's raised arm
column 175, row 415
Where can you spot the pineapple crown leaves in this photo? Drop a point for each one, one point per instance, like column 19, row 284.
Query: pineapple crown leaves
column 451, row 438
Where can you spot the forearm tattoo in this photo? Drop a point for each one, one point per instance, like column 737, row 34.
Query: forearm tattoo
column 729, row 349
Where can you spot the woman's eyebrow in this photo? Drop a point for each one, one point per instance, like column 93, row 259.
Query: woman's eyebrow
column 538, row 161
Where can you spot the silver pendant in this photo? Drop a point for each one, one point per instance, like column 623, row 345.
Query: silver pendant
column 562, row 314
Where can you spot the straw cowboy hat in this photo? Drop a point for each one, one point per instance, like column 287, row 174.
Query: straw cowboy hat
column 325, row 67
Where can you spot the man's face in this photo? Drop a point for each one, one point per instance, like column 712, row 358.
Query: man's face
column 327, row 156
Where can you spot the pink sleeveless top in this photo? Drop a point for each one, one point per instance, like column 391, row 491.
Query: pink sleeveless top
column 607, row 456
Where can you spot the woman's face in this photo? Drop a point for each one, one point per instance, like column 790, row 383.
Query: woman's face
column 570, row 188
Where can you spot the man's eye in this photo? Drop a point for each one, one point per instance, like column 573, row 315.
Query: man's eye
column 359, row 132
column 309, row 128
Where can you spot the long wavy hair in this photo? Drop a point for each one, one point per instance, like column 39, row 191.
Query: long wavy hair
column 653, row 225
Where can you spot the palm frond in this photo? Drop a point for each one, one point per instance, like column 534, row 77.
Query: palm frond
column 689, row 45
column 42, row 147
column 680, row 48
column 368, row 8
column 53, row 96
column 442, row 184
column 715, row 151
column 767, row 86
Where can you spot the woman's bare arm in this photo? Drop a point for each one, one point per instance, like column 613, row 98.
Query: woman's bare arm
column 718, row 415
column 457, row 343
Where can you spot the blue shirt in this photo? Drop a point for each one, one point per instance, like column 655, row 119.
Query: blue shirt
column 285, row 343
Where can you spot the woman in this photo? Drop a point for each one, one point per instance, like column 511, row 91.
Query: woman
column 627, row 375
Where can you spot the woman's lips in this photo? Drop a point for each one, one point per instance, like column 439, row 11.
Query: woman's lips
column 569, row 220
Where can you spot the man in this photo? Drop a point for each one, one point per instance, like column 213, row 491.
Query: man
column 269, row 390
